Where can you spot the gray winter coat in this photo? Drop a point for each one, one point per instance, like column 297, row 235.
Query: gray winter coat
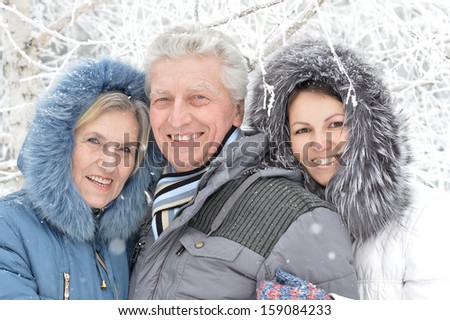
column 274, row 223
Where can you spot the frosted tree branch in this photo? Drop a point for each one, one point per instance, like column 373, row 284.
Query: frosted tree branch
column 66, row 20
column 309, row 13
column 23, row 53
column 9, row 176
column 196, row 16
column 15, row 108
column 49, row 31
column 244, row 13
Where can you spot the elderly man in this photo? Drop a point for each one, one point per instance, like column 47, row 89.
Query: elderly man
column 223, row 220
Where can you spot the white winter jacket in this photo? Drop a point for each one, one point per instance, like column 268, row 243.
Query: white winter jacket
column 401, row 249
column 411, row 260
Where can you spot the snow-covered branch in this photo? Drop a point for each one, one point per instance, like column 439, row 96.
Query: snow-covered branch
column 309, row 12
column 244, row 13
column 68, row 19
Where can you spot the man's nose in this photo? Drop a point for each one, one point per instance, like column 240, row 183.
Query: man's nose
column 180, row 114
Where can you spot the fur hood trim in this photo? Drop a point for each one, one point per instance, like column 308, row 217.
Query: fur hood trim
column 46, row 156
column 371, row 189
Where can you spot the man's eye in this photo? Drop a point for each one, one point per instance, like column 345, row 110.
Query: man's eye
column 199, row 100
column 162, row 100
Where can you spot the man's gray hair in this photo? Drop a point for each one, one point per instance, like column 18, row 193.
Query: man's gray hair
column 187, row 40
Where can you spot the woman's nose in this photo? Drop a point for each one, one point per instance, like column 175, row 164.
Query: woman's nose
column 322, row 140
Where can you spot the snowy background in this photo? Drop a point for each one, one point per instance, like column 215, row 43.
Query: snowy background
column 410, row 40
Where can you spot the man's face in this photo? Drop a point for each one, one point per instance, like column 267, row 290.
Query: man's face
column 190, row 109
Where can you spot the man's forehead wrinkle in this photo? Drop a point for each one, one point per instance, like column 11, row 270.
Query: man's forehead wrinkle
column 198, row 87
column 159, row 91
column 201, row 86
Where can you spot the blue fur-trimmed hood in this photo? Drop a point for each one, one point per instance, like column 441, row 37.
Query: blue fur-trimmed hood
column 372, row 188
column 46, row 156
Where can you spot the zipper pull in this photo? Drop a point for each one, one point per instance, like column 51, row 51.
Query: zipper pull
column 137, row 249
column 66, row 285
column 180, row 250
column 103, row 286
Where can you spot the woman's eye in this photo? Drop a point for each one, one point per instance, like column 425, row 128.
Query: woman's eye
column 93, row 140
column 337, row 124
column 302, row 130
column 131, row 150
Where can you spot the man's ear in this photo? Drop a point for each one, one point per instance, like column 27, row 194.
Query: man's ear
column 238, row 114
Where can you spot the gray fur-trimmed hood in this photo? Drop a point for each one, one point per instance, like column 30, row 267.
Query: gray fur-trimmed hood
column 46, row 155
column 371, row 189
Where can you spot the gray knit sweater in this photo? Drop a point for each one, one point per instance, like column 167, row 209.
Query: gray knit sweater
column 251, row 220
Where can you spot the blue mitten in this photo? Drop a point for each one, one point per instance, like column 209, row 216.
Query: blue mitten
column 289, row 287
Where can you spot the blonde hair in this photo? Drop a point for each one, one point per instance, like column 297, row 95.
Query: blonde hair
column 119, row 101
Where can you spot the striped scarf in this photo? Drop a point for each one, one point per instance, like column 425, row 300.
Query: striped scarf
column 173, row 190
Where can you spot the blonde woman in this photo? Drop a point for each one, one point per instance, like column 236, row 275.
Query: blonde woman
column 65, row 234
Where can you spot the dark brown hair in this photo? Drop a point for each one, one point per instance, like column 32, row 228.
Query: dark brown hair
column 316, row 87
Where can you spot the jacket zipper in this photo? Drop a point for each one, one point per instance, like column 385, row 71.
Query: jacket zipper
column 174, row 262
column 103, row 284
column 66, row 286
column 175, row 259
column 172, row 274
